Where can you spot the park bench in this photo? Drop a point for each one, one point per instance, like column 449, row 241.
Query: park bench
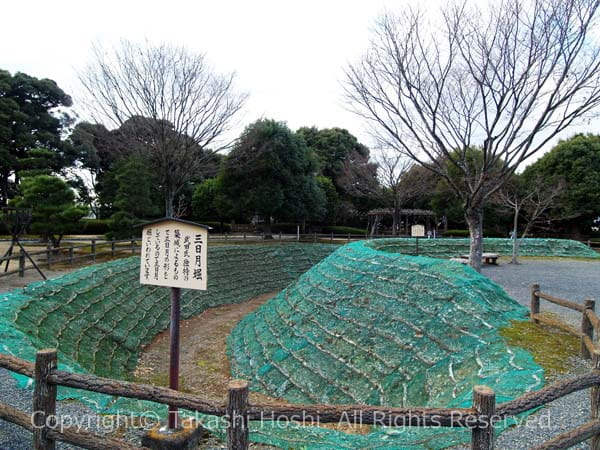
column 486, row 258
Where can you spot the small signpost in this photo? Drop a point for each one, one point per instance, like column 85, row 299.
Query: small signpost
column 174, row 254
column 417, row 231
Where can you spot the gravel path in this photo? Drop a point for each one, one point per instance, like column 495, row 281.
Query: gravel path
column 569, row 279
column 574, row 280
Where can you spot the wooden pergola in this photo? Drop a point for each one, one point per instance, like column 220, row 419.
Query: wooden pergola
column 407, row 217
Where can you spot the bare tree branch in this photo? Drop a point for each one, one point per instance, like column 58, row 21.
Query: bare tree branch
column 178, row 103
column 507, row 81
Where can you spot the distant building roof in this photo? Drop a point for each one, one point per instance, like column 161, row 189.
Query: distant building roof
column 173, row 219
column 403, row 212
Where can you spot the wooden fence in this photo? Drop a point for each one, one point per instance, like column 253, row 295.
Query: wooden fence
column 589, row 320
column 479, row 418
column 97, row 247
column 69, row 254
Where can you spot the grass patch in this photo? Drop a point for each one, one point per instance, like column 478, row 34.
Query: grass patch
column 551, row 348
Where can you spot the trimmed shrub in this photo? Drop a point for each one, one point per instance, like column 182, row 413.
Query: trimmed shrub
column 344, row 230
column 94, row 226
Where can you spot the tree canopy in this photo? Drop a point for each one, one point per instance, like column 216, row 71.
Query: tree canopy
column 270, row 172
column 54, row 211
column 577, row 162
column 33, row 120
column 175, row 101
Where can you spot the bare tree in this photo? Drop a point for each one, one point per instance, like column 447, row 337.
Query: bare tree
column 405, row 181
column 530, row 203
column 180, row 105
column 506, row 79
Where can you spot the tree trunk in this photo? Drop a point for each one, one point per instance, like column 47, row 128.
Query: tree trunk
column 474, row 218
column 396, row 220
column 169, row 204
column 267, row 229
column 515, row 237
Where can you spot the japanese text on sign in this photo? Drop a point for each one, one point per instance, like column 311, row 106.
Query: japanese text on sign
column 174, row 254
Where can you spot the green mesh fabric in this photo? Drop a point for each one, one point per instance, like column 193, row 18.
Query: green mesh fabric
column 380, row 328
column 99, row 317
column 405, row 330
column 448, row 248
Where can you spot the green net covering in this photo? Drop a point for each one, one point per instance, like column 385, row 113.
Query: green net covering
column 363, row 326
column 99, row 317
column 448, row 248
column 379, row 328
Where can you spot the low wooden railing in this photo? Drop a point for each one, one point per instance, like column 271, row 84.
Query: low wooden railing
column 479, row 418
column 68, row 254
column 590, row 325
column 589, row 320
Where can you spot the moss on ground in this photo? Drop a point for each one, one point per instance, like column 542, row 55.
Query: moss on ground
column 553, row 349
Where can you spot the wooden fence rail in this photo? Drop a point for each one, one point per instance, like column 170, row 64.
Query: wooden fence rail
column 590, row 326
column 66, row 254
column 96, row 247
column 479, row 418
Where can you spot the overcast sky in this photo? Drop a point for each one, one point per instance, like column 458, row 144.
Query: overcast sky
column 288, row 55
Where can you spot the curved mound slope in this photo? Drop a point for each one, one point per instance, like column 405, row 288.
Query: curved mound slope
column 447, row 248
column 99, row 317
column 366, row 326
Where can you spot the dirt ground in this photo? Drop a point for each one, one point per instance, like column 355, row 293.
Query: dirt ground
column 204, row 368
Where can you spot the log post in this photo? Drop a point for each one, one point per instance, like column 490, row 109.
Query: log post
column 595, row 402
column 587, row 328
column 113, row 248
column 237, row 403
column 331, row 238
column 226, row 234
column 535, row 302
column 244, row 236
column 348, row 237
column 94, row 250
column 484, row 402
column 280, row 236
column 71, row 254
column 44, row 400
column 314, row 237
column 21, row 263
column 133, row 246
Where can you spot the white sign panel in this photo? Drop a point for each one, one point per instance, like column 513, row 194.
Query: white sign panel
column 174, row 254
column 417, row 230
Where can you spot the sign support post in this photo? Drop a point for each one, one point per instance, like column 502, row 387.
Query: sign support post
column 174, row 255
column 174, row 353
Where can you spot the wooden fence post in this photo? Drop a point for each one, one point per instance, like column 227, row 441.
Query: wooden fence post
column 587, row 328
column 348, row 237
column 595, row 402
column 49, row 256
column 113, row 246
column 237, row 403
column 535, row 302
column 314, row 237
column 71, row 254
column 133, row 246
column 21, row 263
column 484, row 402
column 331, row 238
column 44, row 400
column 93, row 245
